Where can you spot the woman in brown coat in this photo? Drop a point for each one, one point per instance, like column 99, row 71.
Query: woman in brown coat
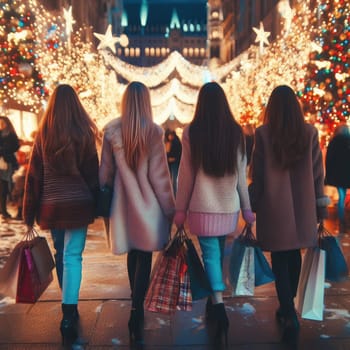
column 287, row 194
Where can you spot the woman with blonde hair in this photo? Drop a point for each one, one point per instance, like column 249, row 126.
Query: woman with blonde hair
column 61, row 192
column 134, row 164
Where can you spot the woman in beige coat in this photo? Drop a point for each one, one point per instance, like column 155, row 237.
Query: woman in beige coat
column 134, row 164
column 287, row 194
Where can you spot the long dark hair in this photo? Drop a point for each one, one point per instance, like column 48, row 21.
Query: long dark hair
column 65, row 128
column 215, row 136
column 9, row 127
column 286, row 123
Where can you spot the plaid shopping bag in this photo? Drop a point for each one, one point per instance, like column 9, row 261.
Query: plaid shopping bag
column 184, row 302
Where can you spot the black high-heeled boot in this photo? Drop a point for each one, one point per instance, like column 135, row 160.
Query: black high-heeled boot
column 135, row 325
column 69, row 323
column 291, row 329
column 209, row 309
column 218, row 313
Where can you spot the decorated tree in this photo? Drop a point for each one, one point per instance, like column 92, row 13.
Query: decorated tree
column 327, row 92
column 21, row 83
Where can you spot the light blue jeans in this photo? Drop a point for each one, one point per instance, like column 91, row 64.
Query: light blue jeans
column 69, row 246
column 213, row 249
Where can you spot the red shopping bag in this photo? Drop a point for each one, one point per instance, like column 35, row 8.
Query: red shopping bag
column 30, row 287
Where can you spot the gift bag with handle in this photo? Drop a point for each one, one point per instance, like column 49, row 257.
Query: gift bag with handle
column 336, row 266
column 310, row 294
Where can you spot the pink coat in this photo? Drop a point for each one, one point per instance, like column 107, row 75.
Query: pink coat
column 286, row 201
column 143, row 202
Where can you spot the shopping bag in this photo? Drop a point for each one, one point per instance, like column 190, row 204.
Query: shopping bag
column 184, row 302
column 42, row 257
column 29, row 287
column 163, row 292
column 241, row 264
column 244, row 285
column 336, row 266
column 262, row 270
column 310, row 292
column 9, row 272
column 199, row 283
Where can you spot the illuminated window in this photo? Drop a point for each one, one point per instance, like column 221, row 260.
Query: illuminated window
column 191, row 27
column 157, row 51
column 185, row 51
column 126, row 51
column 202, row 51
column 196, row 51
column 185, row 27
column 137, row 52
column 190, row 51
column 147, row 51
column 119, row 51
column 215, row 14
column 163, row 50
column 151, row 52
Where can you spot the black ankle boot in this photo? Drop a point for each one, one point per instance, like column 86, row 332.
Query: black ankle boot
column 291, row 329
column 218, row 313
column 69, row 323
column 135, row 325
column 209, row 309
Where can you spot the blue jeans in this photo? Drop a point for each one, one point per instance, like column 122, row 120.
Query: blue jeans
column 69, row 246
column 213, row 259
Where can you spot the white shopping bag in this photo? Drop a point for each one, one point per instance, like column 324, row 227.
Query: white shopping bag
column 246, row 279
column 310, row 293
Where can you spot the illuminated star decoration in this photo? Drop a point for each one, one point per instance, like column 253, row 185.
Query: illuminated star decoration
column 68, row 16
column 107, row 39
column 261, row 37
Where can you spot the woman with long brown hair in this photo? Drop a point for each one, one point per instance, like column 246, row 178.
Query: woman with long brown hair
column 134, row 164
column 287, row 193
column 212, row 189
column 61, row 191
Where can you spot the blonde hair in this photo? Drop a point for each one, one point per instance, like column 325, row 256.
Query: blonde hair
column 137, row 118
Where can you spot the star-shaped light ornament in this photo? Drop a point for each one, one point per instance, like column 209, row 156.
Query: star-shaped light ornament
column 107, row 39
column 68, row 16
column 261, row 37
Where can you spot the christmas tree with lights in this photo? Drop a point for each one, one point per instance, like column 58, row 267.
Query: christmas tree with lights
column 21, row 84
column 326, row 96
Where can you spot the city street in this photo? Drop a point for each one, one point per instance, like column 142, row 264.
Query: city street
column 105, row 302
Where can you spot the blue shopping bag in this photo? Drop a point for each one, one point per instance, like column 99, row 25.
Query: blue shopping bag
column 263, row 271
column 336, row 266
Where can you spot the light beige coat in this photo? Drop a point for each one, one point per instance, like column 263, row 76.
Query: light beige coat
column 143, row 202
column 286, row 201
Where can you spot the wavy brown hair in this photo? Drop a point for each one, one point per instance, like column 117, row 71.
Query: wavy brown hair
column 286, row 123
column 215, row 135
column 136, row 116
column 65, row 128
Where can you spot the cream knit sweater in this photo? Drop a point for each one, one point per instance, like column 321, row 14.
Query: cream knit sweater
column 211, row 203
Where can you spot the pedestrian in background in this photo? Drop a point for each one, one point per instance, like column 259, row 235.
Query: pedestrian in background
column 212, row 189
column 9, row 144
column 61, row 192
column 287, row 194
column 134, row 164
column 173, row 151
column 338, row 169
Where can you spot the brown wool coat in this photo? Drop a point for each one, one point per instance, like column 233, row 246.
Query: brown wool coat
column 286, row 201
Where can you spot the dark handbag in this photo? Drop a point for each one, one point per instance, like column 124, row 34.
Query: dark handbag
column 336, row 266
column 199, row 283
column 104, row 201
